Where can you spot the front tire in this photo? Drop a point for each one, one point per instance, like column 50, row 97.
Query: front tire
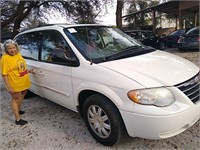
column 102, row 119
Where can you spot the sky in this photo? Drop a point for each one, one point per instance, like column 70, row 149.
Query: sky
column 108, row 19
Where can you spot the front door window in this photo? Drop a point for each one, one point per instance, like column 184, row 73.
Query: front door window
column 55, row 49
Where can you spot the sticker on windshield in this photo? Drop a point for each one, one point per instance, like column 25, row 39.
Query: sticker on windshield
column 72, row 30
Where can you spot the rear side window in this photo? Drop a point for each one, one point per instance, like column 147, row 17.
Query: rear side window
column 29, row 44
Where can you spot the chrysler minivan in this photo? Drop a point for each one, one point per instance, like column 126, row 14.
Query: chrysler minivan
column 118, row 85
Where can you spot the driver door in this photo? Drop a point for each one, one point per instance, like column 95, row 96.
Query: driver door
column 54, row 74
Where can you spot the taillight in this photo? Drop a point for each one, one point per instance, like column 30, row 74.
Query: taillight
column 198, row 39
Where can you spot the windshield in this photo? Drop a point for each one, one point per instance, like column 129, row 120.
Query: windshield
column 97, row 43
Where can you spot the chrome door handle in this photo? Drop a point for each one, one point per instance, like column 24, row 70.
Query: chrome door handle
column 40, row 72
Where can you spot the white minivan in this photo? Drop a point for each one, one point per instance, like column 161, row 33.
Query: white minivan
column 118, row 85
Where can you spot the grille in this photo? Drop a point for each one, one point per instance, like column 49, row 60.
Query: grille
column 191, row 88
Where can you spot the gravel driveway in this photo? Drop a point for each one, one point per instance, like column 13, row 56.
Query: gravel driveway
column 53, row 127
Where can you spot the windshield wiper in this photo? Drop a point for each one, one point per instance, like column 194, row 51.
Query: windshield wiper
column 130, row 48
column 128, row 51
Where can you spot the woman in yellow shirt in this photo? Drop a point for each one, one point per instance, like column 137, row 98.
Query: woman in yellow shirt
column 15, row 75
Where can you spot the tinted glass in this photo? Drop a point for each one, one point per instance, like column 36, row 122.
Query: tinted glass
column 55, row 48
column 29, row 44
column 133, row 34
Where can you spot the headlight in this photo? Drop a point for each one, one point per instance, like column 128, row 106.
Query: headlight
column 155, row 96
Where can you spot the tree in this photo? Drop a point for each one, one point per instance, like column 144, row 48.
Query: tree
column 120, row 4
column 86, row 11
column 15, row 12
column 137, row 5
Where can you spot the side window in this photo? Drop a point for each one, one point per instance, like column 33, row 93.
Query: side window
column 55, row 48
column 135, row 35
column 29, row 44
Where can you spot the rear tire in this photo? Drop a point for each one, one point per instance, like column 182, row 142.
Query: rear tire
column 102, row 119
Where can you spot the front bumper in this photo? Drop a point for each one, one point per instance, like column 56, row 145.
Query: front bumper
column 159, row 127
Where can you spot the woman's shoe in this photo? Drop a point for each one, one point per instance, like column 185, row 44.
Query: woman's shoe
column 21, row 112
column 21, row 122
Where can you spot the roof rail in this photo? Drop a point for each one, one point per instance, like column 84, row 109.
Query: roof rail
column 43, row 25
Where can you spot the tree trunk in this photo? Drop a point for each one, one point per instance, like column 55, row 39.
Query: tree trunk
column 16, row 27
column 22, row 11
column 22, row 14
column 119, row 13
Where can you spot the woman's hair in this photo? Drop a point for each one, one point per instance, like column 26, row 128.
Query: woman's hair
column 10, row 41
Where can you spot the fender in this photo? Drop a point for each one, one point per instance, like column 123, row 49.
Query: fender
column 104, row 90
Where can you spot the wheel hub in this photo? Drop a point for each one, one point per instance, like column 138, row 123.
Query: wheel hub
column 99, row 121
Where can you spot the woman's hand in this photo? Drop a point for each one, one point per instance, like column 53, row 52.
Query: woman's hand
column 31, row 71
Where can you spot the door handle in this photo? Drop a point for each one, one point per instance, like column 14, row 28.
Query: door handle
column 40, row 72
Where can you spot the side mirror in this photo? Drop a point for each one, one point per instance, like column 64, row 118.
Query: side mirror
column 61, row 57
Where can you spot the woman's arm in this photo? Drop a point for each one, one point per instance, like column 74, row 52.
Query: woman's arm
column 31, row 71
column 8, row 86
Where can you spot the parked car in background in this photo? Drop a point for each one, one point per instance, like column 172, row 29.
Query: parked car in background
column 173, row 37
column 118, row 85
column 190, row 41
column 147, row 38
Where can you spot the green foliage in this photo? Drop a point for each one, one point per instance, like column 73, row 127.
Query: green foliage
column 16, row 14
column 83, row 11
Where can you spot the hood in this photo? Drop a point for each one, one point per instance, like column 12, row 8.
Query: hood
column 154, row 69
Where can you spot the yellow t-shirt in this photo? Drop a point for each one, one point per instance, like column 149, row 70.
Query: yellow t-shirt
column 16, row 70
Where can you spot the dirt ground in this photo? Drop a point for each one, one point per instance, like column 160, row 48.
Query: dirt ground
column 53, row 127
